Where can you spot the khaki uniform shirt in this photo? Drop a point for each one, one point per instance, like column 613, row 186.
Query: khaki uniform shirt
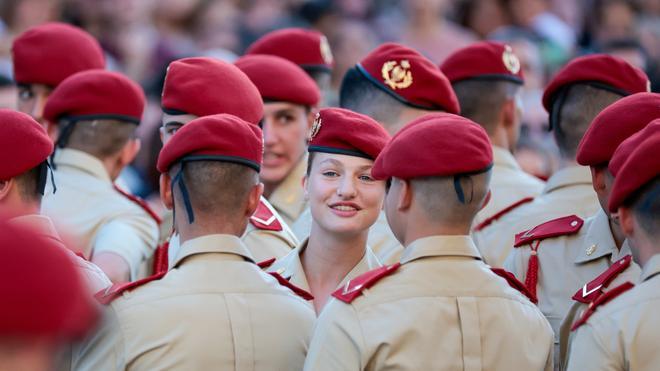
column 94, row 277
column 289, row 198
column 509, row 184
column 381, row 240
column 623, row 334
column 215, row 310
column 568, row 191
column 443, row 309
column 87, row 208
column 262, row 244
column 566, row 263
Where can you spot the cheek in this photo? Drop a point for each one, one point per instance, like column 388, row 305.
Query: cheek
column 25, row 105
column 293, row 139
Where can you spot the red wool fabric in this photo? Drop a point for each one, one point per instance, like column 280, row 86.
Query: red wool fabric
column 49, row 53
column 341, row 131
column 486, row 60
column 203, row 86
column 96, row 94
column 280, row 80
column 409, row 77
column 438, row 144
column 23, row 141
column 306, row 48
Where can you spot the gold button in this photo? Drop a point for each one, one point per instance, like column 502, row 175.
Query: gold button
column 591, row 249
column 574, row 223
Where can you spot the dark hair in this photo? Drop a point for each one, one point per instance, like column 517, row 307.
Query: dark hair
column 645, row 204
column 28, row 184
column 100, row 138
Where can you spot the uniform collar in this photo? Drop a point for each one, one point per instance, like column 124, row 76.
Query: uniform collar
column 288, row 198
column 599, row 241
column 214, row 243
column 440, row 246
column 40, row 223
column 504, row 158
column 572, row 175
column 67, row 157
column 651, row 268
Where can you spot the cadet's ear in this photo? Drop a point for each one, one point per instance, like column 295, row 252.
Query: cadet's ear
column 486, row 200
column 254, row 198
column 626, row 220
column 5, row 188
column 405, row 195
column 165, row 185
column 130, row 151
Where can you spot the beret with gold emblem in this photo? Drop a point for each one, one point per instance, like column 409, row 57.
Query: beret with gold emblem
column 308, row 49
column 409, row 77
column 51, row 52
column 437, row 144
column 614, row 124
column 279, row 80
column 23, row 141
column 344, row 132
column 203, row 86
column 634, row 164
column 486, row 60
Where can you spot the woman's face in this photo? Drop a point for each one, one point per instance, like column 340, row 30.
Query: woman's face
column 343, row 196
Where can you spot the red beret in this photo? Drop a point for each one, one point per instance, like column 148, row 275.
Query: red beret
column 220, row 137
column 204, row 86
column 437, row 144
column 634, row 164
column 23, row 141
column 44, row 295
column 604, row 71
column 307, row 48
column 409, row 77
column 338, row 130
column 96, row 94
column 614, row 124
column 51, row 52
column 280, row 80
column 483, row 60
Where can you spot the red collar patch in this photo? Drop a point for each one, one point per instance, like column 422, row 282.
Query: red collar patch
column 592, row 290
column 515, row 283
column 266, row 263
column 557, row 227
column 296, row 290
column 107, row 295
column 354, row 287
column 601, row 300
column 140, row 202
column 264, row 218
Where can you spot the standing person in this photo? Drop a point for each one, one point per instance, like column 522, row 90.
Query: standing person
column 451, row 309
column 23, row 181
column 579, row 91
column 43, row 57
column 393, row 85
column 197, row 87
column 99, row 112
column 290, row 104
column 487, row 79
column 46, row 305
column 215, row 309
column 620, row 333
column 344, row 200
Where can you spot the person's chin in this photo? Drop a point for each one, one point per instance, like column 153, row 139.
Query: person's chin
column 272, row 175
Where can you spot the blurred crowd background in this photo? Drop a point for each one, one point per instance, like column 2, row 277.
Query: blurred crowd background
column 141, row 37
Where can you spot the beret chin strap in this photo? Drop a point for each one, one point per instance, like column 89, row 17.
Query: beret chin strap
column 457, row 183
column 62, row 139
column 44, row 169
column 178, row 179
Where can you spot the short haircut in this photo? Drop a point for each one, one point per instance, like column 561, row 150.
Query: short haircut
column 28, row 185
column 481, row 100
column 101, row 138
column 360, row 95
column 438, row 197
column 580, row 106
column 645, row 204
column 318, row 74
column 216, row 188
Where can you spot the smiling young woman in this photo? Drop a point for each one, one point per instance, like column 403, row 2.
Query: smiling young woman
column 345, row 201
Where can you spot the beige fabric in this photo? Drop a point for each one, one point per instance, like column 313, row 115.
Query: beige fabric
column 93, row 275
column 566, row 263
column 443, row 309
column 88, row 209
column 289, row 199
column 381, row 240
column 291, row 268
column 623, row 334
column 261, row 244
column 508, row 185
column 215, row 310
column 568, row 191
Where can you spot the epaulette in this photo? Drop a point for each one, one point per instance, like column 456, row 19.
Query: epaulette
column 354, row 287
column 515, row 283
column 266, row 263
column 501, row 213
column 161, row 258
column 264, row 218
column 592, row 290
column 107, row 295
column 557, row 227
column 296, row 290
column 601, row 300
column 140, row 202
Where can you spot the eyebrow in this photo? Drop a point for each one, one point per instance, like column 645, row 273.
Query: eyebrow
column 173, row 123
column 339, row 163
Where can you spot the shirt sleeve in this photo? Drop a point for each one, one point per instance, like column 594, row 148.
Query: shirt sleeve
column 595, row 348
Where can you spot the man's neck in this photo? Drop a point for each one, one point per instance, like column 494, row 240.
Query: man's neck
column 423, row 230
column 200, row 227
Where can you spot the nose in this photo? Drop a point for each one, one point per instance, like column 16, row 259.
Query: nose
column 270, row 136
column 346, row 188
column 38, row 107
